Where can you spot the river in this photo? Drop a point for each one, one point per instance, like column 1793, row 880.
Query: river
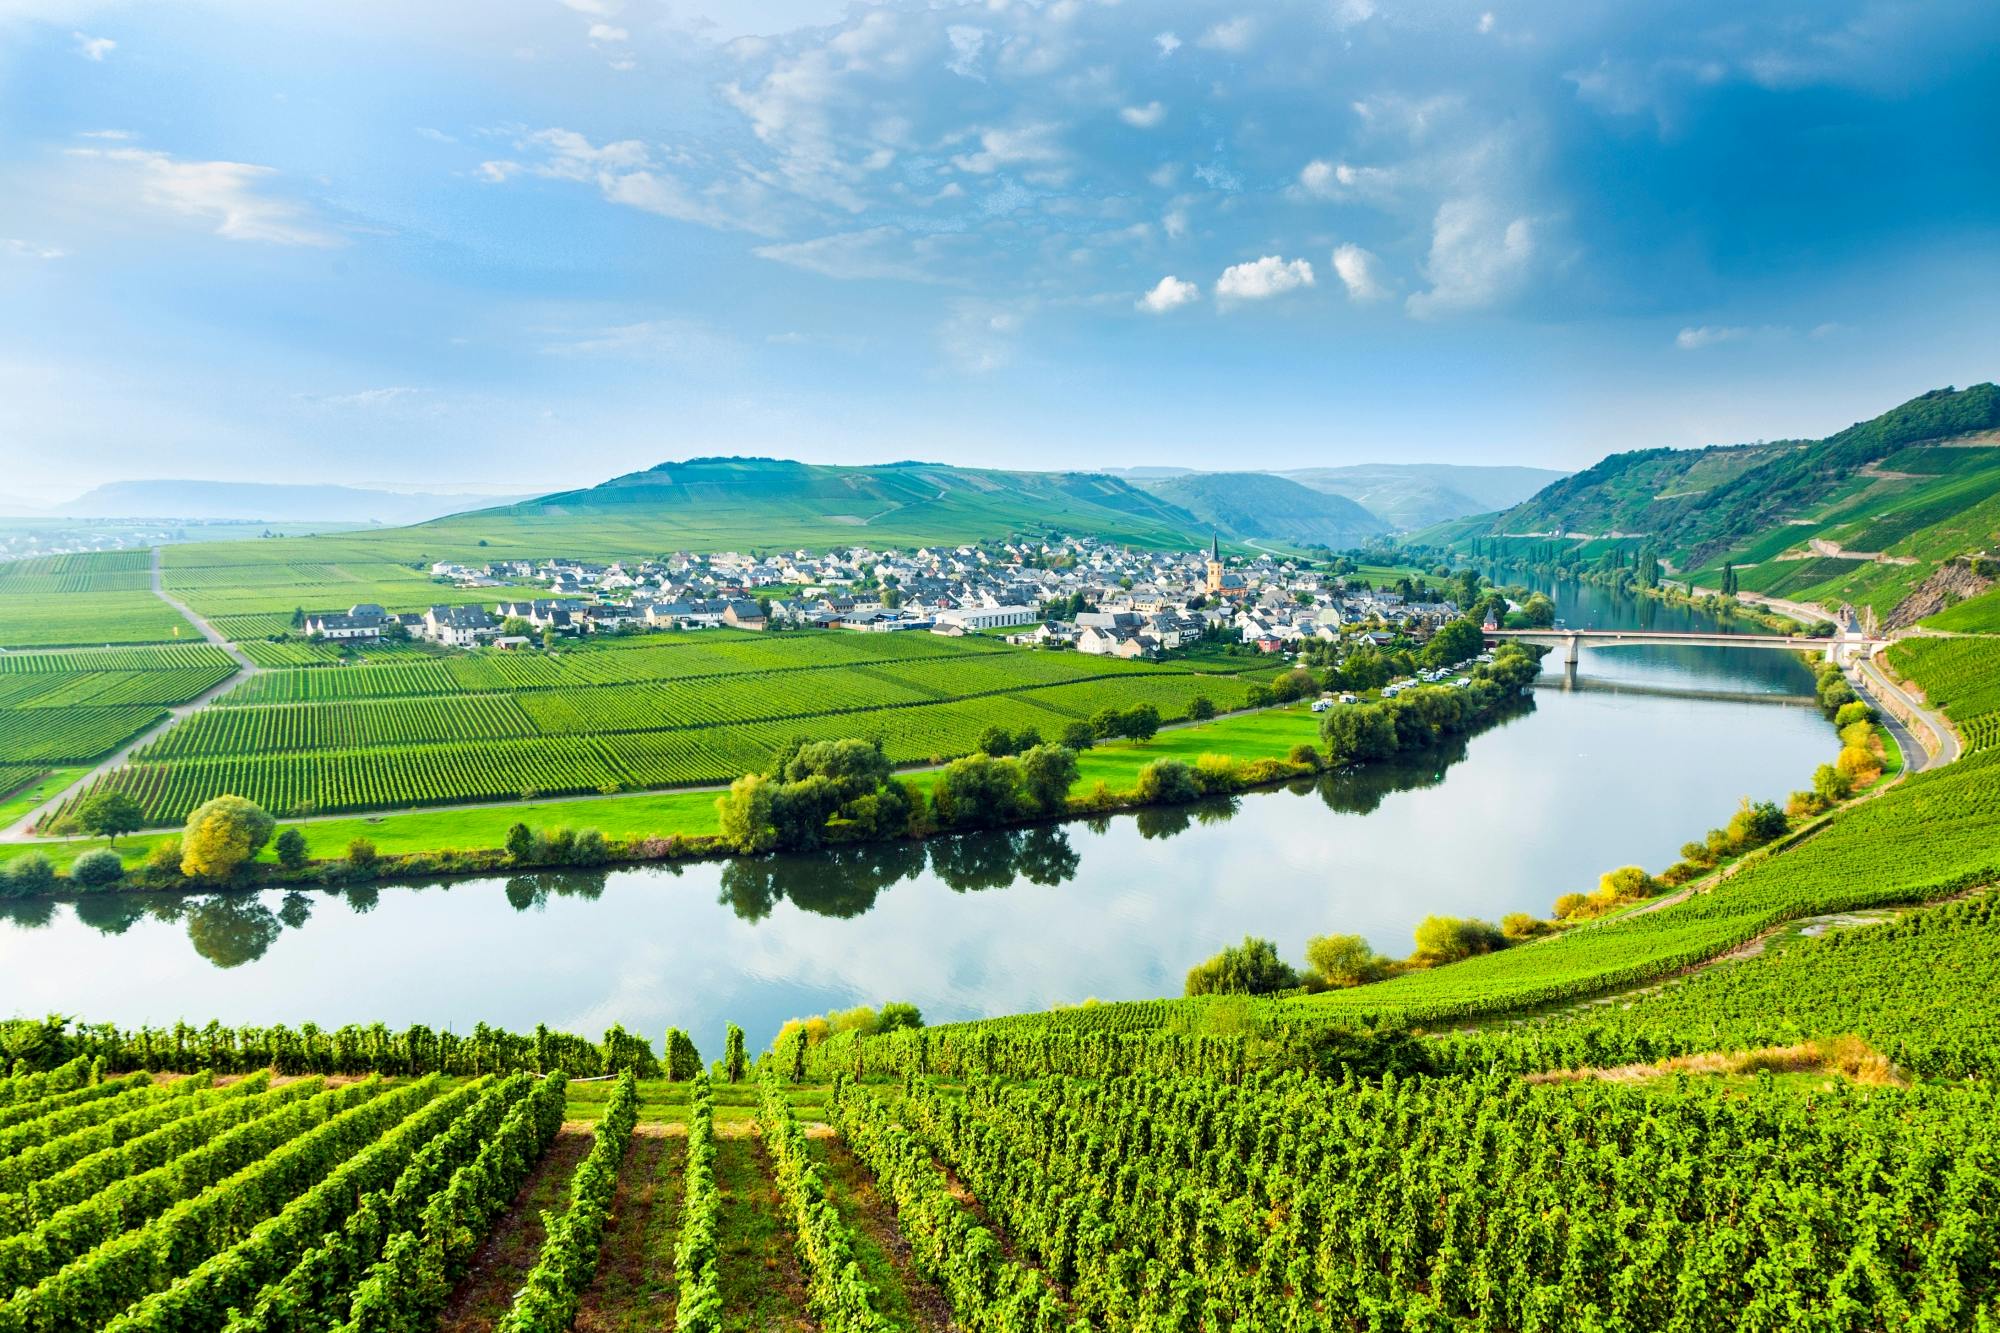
column 1585, row 780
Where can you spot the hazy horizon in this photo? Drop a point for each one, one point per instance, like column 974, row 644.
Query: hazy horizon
column 525, row 247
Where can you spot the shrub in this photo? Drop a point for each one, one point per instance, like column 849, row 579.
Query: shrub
column 1831, row 785
column 165, row 858
column 1849, row 714
column 589, row 849
column 1857, row 764
column 291, row 849
column 1167, row 782
column 1679, row 873
column 1305, row 756
column 361, row 854
column 1341, row 961
column 1571, row 906
column 1251, row 968
column 1447, row 939
column 1217, row 773
column 520, row 843
column 97, row 868
column 1522, row 926
column 27, row 875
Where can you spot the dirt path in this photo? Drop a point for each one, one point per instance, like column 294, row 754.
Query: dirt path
column 634, row 1289
column 19, row 831
column 906, row 1298
column 762, row 1288
column 503, row 1262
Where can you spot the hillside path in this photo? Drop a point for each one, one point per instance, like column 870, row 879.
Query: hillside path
column 1889, row 695
column 19, row 830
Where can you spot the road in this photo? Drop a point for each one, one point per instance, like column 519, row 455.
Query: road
column 19, row 831
column 1876, row 683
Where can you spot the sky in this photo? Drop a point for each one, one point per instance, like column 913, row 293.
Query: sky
column 514, row 246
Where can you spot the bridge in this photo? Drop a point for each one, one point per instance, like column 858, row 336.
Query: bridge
column 1573, row 640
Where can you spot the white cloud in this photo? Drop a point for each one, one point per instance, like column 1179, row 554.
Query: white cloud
column 1024, row 145
column 1168, row 44
column 18, row 249
column 624, row 172
column 93, row 48
column 1486, row 22
column 1694, row 338
column 683, row 340
column 1168, row 294
column 1143, row 117
column 877, row 253
column 1347, row 13
column 980, row 336
column 597, row 8
column 967, row 45
column 1261, row 278
column 363, row 398
column 1232, row 35
column 1361, row 272
column 606, row 32
column 1478, row 257
column 1175, row 223
column 224, row 193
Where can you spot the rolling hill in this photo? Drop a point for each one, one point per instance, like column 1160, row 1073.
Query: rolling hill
column 719, row 503
column 1260, row 506
column 1893, row 514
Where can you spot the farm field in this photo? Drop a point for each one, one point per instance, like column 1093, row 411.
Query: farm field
column 1961, row 676
column 70, row 706
column 672, row 711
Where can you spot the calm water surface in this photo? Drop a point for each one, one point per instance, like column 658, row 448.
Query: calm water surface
column 1611, row 772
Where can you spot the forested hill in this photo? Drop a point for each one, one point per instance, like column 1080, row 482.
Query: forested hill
column 718, row 503
column 1865, row 515
column 1258, row 505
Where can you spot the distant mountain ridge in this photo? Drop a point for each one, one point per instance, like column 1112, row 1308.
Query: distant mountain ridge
column 1257, row 505
column 265, row 500
column 1405, row 496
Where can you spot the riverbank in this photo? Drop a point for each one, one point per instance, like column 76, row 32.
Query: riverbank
column 469, row 834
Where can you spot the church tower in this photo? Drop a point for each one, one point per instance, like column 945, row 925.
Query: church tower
column 1214, row 563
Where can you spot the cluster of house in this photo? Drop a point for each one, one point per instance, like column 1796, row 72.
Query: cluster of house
column 1080, row 593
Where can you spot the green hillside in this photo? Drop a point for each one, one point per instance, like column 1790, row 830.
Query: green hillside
column 720, row 503
column 1257, row 505
column 1890, row 513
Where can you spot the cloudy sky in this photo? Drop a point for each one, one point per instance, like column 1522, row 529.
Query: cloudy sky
column 523, row 244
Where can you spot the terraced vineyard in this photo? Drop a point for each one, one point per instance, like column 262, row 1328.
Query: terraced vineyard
column 1961, row 676
column 654, row 713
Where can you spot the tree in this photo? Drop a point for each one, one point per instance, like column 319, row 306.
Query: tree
column 745, row 814
column 1358, row 734
column 515, row 627
column 1455, row 641
column 27, row 876
column 362, row 856
column 1141, row 722
column 1294, row 684
column 110, row 813
column 520, row 844
column 291, row 849
column 1251, row 968
column 977, row 791
column 1201, row 708
column 1340, row 961
column 1081, row 735
column 898, row 1015
column 996, row 741
column 1047, row 774
column 221, row 835
column 733, row 1062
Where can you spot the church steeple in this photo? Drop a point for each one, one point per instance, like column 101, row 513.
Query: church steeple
column 1214, row 562
column 1214, row 544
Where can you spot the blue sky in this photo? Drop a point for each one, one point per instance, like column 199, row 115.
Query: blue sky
column 530, row 245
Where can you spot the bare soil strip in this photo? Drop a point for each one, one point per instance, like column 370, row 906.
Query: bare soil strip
column 907, row 1299
column 634, row 1289
column 502, row 1264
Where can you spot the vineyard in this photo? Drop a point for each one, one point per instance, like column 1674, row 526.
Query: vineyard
column 1961, row 676
column 417, row 730
column 77, row 705
column 966, row 1178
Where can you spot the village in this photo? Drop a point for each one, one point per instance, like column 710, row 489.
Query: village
column 1073, row 593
